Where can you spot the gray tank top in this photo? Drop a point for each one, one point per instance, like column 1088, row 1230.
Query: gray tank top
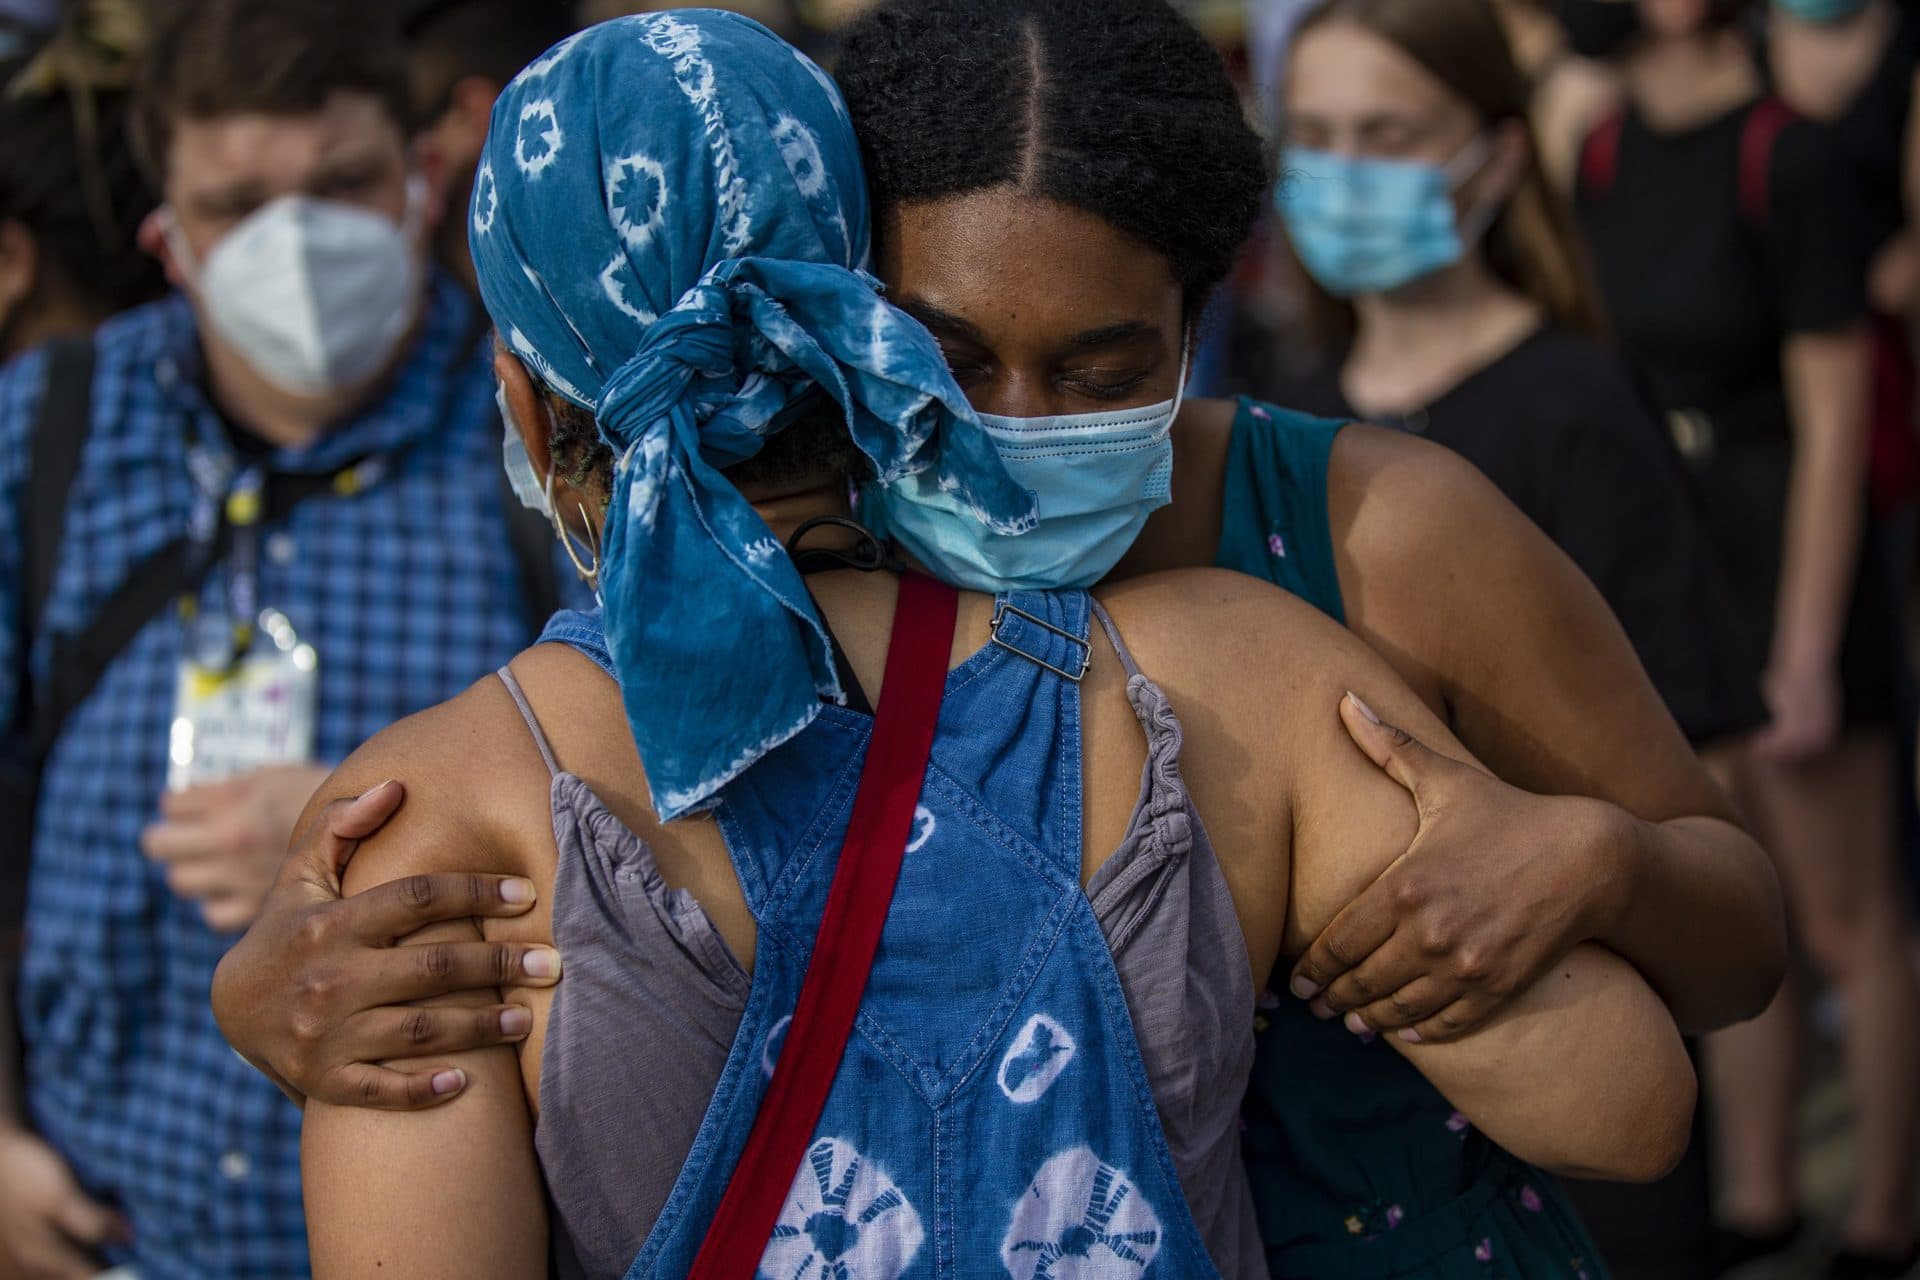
column 639, row 1031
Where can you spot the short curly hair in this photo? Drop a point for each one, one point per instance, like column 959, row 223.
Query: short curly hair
column 1117, row 107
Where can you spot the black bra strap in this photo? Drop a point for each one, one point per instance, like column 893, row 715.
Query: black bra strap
column 868, row 555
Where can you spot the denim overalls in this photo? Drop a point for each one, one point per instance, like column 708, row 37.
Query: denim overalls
column 992, row 1115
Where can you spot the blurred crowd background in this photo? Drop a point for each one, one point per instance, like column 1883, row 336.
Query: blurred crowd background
column 1585, row 234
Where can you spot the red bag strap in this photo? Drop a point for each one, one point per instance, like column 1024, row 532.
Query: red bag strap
column 1762, row 129
column 849, row 934
column 1600, row 155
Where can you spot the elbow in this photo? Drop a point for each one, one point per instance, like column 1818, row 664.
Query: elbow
column 1769, row 967
column 1756, row 953
column 1644, row 1141
column 1660, row 1135
column 1766, row 956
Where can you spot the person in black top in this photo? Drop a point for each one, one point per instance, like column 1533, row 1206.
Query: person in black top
column 1489, row 350
column 1850, row 65
column 1730, row 243
column 1486, row 343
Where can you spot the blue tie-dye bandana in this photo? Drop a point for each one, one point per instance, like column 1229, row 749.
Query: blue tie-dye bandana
column 668, row 224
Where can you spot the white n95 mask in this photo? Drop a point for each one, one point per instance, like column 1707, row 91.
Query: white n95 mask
column 315, row 295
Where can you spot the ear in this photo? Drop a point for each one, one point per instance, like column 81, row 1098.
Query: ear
column 430, row 162
column 19, row 262
column 529, row 412
column 1507, row 167
column 154, row 242
column 469, row 113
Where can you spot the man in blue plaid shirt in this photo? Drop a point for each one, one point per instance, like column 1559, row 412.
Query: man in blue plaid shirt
column 309, row 347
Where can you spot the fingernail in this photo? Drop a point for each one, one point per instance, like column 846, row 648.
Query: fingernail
column 1305, row 988
column 1363, row 708
column 541, row 962
column 516, row 892
column 445, row 1082
column 515, row 1021
column 1410, row 1035
column 1358, row 1025
column 1321, row 1009
column 371, row 791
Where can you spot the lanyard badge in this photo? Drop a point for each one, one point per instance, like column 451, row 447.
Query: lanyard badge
column 250, row 711
column 245, row 690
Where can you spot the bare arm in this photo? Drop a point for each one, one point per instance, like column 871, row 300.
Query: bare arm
column 452, row 1191
column 1826, row 377
column 1584, row 1071
column 1491, row 622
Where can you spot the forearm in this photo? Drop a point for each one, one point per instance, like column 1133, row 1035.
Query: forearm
column 1825, row 512
column 1826, row 497
column 1695, row 905
column 1584, row 1074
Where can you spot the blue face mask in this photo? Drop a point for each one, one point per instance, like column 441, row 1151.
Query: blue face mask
column 1362, row 225
column 1821, row 11
column 1098, row 476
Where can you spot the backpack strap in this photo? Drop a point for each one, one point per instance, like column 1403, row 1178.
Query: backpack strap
column 60, row 433
column 1764, row 125
column 1600, row 155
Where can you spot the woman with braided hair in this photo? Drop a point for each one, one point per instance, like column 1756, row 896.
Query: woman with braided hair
column 1054, row 1038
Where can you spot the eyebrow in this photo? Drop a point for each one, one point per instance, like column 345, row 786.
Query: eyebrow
column 941, row 321
column 244, row 191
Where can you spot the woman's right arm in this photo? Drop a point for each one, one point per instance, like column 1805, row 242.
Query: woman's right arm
column 453, row 1191
column 450, row 1192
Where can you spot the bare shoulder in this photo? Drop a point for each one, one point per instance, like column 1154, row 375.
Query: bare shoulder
column 1215, row 618
column 1242, row 644
column 1239, row 653
column 473, row 775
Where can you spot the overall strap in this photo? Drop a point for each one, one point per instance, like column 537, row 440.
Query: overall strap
column 856, row 912
column 512, row 682
column 1047, row 628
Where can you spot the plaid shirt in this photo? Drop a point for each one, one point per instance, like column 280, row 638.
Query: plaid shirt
column 408, row 590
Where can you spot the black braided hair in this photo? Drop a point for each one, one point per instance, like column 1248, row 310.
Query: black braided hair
column 1117, row 107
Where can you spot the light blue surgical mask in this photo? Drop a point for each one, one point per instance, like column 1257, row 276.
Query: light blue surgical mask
column 520, row 471
column 1821, row 12
column 1363, row 225
column 1098, row 476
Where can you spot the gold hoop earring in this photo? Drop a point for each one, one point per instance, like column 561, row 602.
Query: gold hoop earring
column 589, row 573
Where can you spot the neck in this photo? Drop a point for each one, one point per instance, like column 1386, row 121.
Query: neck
column 785, row 509
column 1413, row 345
column 1682, row 81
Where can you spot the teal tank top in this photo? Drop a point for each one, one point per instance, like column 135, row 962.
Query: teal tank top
column 1360, row 1169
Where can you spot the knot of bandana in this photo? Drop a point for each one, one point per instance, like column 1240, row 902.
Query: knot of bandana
column 669, row 227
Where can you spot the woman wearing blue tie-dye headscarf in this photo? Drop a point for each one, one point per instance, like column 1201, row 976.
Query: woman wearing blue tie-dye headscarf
column 669, row 226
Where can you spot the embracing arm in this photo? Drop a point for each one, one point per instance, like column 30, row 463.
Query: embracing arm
column 1476, row 607
column 454, row 1190
column 1584, row 1071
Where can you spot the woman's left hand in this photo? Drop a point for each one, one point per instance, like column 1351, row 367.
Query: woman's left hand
column 1497, row 886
